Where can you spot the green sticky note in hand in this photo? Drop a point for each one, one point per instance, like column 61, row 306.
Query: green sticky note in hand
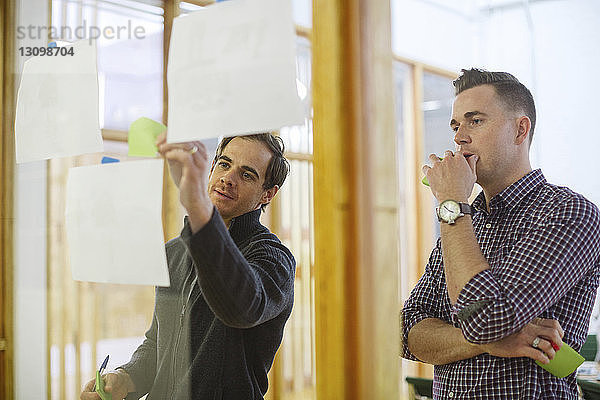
column 425, row 181
column 100, row 388
column 142, row 137
column 564, row 363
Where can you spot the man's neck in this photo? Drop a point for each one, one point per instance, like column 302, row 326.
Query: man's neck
column 498, row 184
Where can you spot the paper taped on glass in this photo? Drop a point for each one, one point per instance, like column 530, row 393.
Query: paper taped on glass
column 57, row 106
column 232, row 70
column 114, row 225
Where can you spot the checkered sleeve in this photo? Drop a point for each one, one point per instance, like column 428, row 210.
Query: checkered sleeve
column 424, row 300
column 540, row 268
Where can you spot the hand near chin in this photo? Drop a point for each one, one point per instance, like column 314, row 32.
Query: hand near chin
column 453, row 177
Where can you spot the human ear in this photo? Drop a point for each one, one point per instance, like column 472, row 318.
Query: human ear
column 269, row 194
column 523, row 129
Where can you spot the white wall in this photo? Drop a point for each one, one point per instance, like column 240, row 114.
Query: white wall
column 435, row 34
column 561, row 68
column 551, row 48
column 30, row 249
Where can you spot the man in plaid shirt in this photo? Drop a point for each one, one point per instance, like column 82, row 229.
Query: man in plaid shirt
column 515, row 274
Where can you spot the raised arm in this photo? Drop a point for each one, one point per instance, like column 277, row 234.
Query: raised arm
column 242, row 292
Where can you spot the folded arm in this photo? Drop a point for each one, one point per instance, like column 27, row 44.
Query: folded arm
column 436, row 342
column 429, row 336
column 539, row 269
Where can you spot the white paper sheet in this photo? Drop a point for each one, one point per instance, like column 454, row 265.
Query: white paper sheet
column 113, row 223
column 232, row 70
column 57, row 106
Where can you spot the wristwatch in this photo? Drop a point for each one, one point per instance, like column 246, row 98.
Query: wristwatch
column 450, row 210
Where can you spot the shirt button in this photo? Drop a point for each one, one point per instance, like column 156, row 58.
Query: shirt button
column 488, row 226
column 451, row 394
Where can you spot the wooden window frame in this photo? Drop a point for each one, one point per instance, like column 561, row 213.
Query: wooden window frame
column 418, row 226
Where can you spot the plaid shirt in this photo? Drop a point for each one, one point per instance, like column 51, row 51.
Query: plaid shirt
column 542, row 243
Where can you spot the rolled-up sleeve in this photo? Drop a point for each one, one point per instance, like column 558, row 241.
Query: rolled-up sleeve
column 424, row 300
column 541, row 267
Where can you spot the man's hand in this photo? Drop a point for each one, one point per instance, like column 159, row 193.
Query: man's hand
column 174, row 168
column 118, row 383
column 453, row 177
column 520, row 344
column 189, row 165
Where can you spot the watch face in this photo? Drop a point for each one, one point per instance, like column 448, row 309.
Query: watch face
column 449, row 210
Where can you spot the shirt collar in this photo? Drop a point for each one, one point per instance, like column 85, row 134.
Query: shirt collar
column 243, row 225
column 512, row 195
column 479, row 202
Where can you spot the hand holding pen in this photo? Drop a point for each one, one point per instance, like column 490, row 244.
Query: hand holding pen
column 102, row 367
column 117, row 384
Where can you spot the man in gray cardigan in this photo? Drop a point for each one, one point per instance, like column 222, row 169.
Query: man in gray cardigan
column 216, row 329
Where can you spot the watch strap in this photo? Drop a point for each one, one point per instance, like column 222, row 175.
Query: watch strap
column 465, row 208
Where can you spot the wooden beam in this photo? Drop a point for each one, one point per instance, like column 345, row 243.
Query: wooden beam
column 304, row 32
column 171, row 207
column 417, row 162
column 421, row 204
column 200, row 3
column 333, row 328
column 378, row 276
column 356, row 210
column 112, row 134
column 7, row 171
column 275, row 375
column 298, row 156
column 426, row 67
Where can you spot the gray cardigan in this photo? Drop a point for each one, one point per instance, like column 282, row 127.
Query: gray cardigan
column 216, row 329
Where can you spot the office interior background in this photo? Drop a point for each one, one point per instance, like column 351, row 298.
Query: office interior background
column 375, row 77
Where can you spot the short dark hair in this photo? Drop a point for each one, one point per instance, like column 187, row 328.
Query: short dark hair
column 512, row 92
column 278, row 168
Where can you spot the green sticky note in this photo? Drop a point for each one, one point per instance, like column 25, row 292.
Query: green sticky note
column 425, row 181
column 564, row 363
column 100, row 388
column 142, row 136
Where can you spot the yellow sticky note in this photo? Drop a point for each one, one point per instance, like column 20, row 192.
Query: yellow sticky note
column 142, row 137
